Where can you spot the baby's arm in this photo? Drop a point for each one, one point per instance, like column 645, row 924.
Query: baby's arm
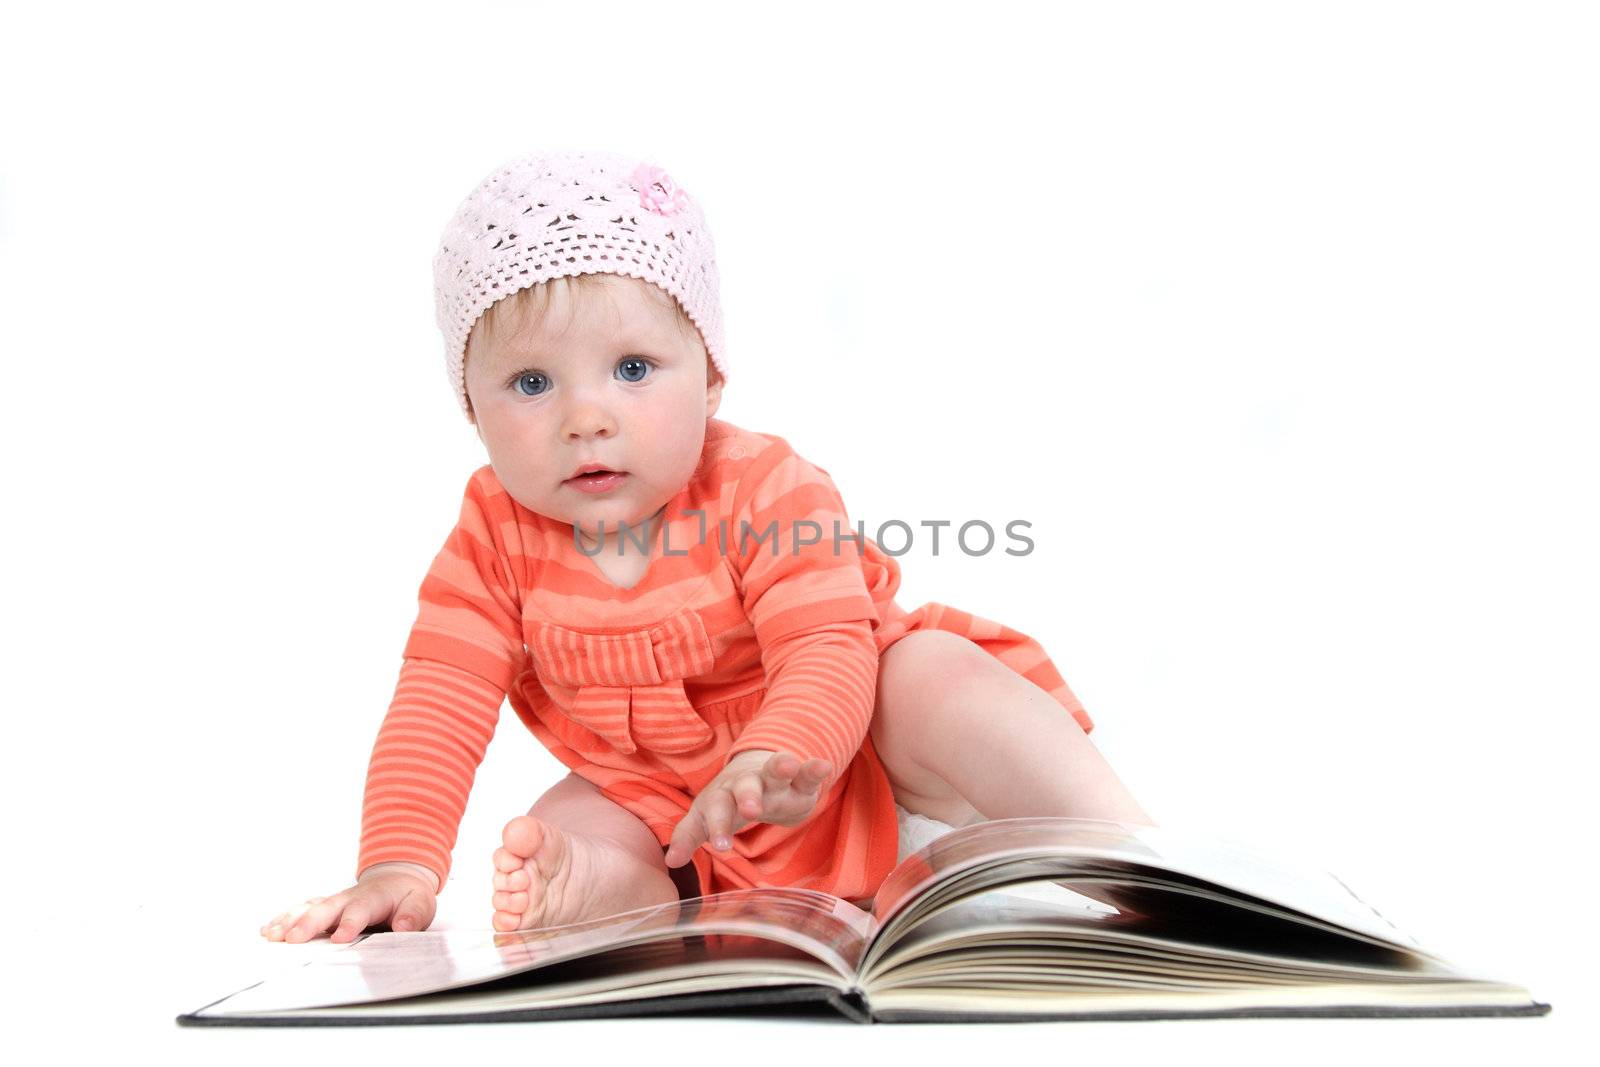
column 463, row 651
column 423, row 762
column 820, row 685
column 813, row 617
column 811, row 610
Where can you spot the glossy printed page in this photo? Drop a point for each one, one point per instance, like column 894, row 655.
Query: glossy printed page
column 1062, row 942
column 1093, row 846
column 389, row 966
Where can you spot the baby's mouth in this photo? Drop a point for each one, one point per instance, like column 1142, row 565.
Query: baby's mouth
column 594, row 480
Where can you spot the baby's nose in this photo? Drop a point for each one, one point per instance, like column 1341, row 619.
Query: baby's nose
column 590, row 420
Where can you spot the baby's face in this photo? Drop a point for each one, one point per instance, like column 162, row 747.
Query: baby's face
column 606, row 377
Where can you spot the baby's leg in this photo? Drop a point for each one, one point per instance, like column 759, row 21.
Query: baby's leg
column 963, row 737
column 576, row 856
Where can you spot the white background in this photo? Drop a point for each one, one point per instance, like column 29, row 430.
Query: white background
column 1276, row 321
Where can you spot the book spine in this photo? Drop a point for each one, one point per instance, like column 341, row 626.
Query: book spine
column 852, row 1004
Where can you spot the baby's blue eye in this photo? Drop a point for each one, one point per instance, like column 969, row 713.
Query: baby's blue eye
column 517, row 384
column 633, row 369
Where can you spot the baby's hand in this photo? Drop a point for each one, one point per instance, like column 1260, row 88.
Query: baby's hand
column 755, row 786
column 400, row 894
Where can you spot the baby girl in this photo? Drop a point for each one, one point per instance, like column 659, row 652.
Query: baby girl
column 679, row 609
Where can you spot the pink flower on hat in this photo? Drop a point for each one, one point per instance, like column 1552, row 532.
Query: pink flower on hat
column 658, row 192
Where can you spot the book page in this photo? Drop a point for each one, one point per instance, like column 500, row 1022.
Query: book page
column 1094, row 847
column 388, row 966
column 1219, row 940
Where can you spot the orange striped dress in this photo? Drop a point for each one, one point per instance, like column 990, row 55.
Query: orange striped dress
column 757, row 625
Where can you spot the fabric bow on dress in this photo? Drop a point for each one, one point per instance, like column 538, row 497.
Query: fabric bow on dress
column 629, row 686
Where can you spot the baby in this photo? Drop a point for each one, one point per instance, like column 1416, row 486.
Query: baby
column 679, row 609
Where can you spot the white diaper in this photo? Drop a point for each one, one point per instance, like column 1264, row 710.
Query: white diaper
column 917, row 830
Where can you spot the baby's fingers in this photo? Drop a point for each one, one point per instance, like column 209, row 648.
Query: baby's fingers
column 720, row 812
column 785, row 771
column 273, row 929
column 686, row 836
column 794, row 793
column 813, row 772
column 317, row 919
column 748, row 796
column 357, row 917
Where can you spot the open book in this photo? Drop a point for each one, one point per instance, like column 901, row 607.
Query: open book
column 1038, row 918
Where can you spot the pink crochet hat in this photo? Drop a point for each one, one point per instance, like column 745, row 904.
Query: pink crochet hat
column 562, row 213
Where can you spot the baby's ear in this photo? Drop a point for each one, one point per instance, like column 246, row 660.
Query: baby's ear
column 713, row 396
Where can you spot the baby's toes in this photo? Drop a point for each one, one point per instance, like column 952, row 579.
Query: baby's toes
column 511, row 901
column 509, row 908
column 523, row 836
column 510, row 881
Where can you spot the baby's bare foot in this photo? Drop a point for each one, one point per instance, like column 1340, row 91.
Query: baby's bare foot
column 547, row 876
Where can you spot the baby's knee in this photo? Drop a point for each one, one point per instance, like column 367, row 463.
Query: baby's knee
column 929, row 681
column 573, row 788
column 933, row 662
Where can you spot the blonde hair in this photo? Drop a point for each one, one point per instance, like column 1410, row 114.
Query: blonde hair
column 510, row 315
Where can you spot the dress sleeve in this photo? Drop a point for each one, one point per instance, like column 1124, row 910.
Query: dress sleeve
column 802, row 586
column 461, row 655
